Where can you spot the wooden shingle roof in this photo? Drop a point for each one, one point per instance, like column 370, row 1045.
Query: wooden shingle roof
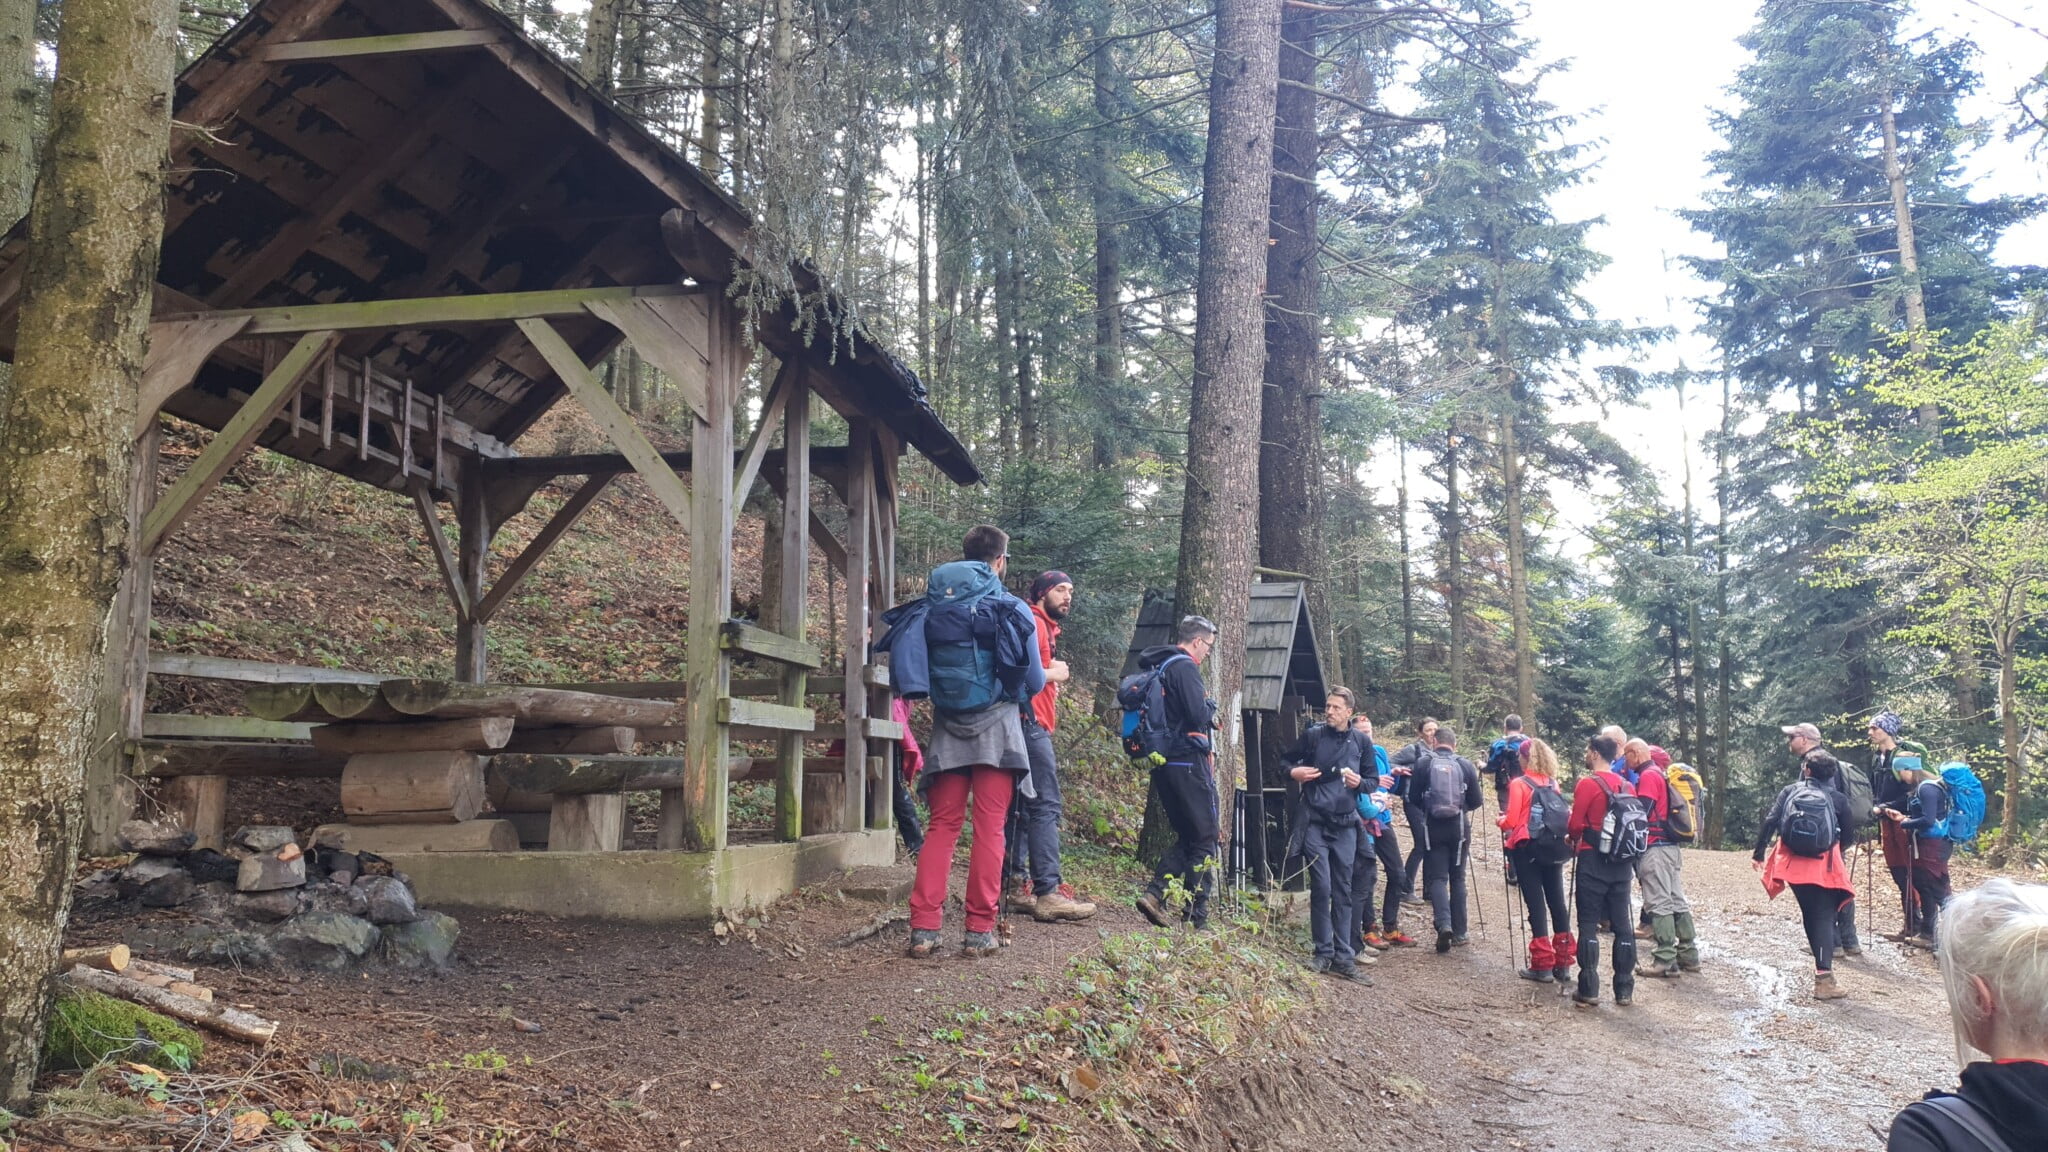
column 1281, row 657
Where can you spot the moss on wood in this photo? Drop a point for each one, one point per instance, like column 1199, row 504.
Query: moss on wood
column 87, row 1028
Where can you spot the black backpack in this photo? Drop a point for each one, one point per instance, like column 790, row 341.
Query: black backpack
column 1625, row 830
column 1550, row 817
column 1444, row 787
column 1147, row 738
column 1809, row 827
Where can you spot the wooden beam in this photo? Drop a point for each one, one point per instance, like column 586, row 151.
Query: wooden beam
column 225, row 90
column 590, row 822
column 429, row 311
column 534, row 172
column 694, row 816
column 670, row 334
column 828, row 460
column 199, row 804
column 550, row 534
column 178, row 349
column 794, row 586
column 444, row 553
column 213, row 758
column 450, row 41
column 835, row 552
column 739, row 636
column 788, row 378
column 854, row 641
column 472, row 561
column 446, row 699
column 472, row 734
column 253, row 671
column 178, row 724
column 875, row 729
column 614, row 420
column 781, row 717
column 232, row 441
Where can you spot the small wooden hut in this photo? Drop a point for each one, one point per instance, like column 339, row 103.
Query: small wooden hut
column 398, row 232
column 1284, row 688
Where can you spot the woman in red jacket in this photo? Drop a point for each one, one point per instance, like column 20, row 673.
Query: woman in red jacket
column 1538, row 850
column 1821, row 884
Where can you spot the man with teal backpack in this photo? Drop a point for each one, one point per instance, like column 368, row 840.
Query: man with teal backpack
column 1943, row 810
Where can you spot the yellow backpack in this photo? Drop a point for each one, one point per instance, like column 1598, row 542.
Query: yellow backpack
column 1688, row 799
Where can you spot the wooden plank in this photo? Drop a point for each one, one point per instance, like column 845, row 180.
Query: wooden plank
column 232, row 441
column 252, row 671
column 217, row 758
column 566, row 775
column 404, row 42
column 760, row 714
column 226, row 89
column 835, row 553
column 875, row 676
column 693, row 817
column 177, row 351
column 829, row 459
column 673, row 335
column 763, row 769
column 875, row 729
column 412, row 787
column 444, row 553
column 614, row 420
column 472, row 734
column 591, row 822
column 787, row 379
column 677, row 689
column 472, row 562
column 485, row 835
column 221, row 727
column 824, row 800
column 543, row 542
column 446, row 699
column 429, row 311
column 610, row 740
column 199, row 804
column 854, row 640
column 794, row 583
column 738, row 636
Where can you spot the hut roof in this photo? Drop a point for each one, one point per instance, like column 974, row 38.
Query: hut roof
column 1281, row 657
column 453, row 157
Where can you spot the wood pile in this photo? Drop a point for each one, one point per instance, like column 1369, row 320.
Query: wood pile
column 112, row 970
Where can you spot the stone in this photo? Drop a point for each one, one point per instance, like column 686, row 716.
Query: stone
column 155, row 837
column 389, row 900
column 264, row 837
column 207, row 865
column 341, row 867
column 265, row 872
column 268, row 907
column 207, row 944
column 326, row 940
column 428, row 942
column 214, row 900
column 331, row 897
column 168, row 890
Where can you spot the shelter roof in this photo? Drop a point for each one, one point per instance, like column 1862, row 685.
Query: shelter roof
column 1281, row 656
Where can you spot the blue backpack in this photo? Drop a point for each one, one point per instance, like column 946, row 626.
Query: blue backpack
column 1142, row 696
column 960, row 631
column 1965, row 804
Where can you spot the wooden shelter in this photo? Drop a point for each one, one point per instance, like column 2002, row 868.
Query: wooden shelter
column 1284, row 688
column 398, row 232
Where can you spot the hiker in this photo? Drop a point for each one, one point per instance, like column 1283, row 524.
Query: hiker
column 1404, row 766
column 1325, row 764
column 1504, row 759
column 1922, row 818
column 1609, row 831
column 1537, row 822
column 1661, row 873
column 1810, row 820
column 1805, row 740
column 973, row 649
column 1040, row 892
column 1888, row 791
column 1620, row 765
column 1443, row 788
column 1379, row 927
column 1186, row 782
column 1995, row 968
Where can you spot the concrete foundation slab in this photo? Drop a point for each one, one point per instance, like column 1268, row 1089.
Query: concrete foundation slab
column 647, row 887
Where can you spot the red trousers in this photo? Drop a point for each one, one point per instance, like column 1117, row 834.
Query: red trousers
column 947, row 795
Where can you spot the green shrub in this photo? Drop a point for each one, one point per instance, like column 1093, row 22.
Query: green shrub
column 87, row 1028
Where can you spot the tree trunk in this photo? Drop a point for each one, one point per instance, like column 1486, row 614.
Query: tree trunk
column 712, row 78
column 1718, row 797
column 1219, row 519
column 1290, row 444
column 1698, row 752
column 1518, row 562
column 600, row 43
column 66, row 444
column 1407, row 584
column 1109, row 272
column 17, row 122
column 2009, row 733
column 1454, row 578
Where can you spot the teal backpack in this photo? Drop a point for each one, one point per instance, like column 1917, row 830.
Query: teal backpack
column 1966, row 804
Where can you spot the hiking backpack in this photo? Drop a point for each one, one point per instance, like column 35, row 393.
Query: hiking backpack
column 1550, row 817
column 960, row 630
column 1809, row 826
column 1855, row 784
column 1687, row 797
column 1966, row 803
column 1506, row 762
column 1625, row 830
column 1445, row 796
column 1142, row 696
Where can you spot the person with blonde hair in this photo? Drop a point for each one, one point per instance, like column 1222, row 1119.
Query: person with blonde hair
column 1533, row 828
column 1994, row 965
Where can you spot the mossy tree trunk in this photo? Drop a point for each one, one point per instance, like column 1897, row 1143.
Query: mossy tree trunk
column 17, row 122
column 66, row 446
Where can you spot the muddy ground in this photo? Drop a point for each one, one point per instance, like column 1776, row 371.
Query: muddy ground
column 770, row 1037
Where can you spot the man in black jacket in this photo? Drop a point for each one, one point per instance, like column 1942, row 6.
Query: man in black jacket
column 1325, row 764
column 1186, row 783
column 1443, row 788
column 1404, row 764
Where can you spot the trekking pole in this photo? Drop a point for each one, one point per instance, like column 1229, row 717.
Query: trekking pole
column 1478, row 905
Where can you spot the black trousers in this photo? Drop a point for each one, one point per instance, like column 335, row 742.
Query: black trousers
column 1443, row 874
column 1817, row 909
column 1386, row 853
column 1330, row 855
column 1542, row 887
column 1416, row 836
column 1603, row 896
column 1188, row 794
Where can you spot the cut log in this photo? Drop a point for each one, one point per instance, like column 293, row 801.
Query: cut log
column 468, row 836
column 199, row 992
column 444, row 699
column 505, row 799
column 139, row 967
column 587, row 823
column 281, row 702
column 106, row 957
column 412, row 787
column 607, row 741
column 226, row 758
column 519, row 777
column 474, row 734
column 363, row 703
column 824, row 803
column 230, row 1022
column 200, row 805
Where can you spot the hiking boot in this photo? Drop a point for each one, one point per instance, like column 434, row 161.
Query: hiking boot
column 1021, row 899
column 1057, row 905
column 1659, row 971
column 1624, row 999
column 1563, row 975
column 1460, row 941
column 1825, row 988
column 1443, row 941
column 1692, row 967
column 1645, row 932
column 1367, row 957
column 1377, row 942
column 1539, row 975
column 1919, row 942
column 1152, row 909
column 1414, row 902
column 1585, row 1001
column 1351, row 974
column 1319, row 964
column 1399, row 940
column 975, row 945
column 1852, row 950
column 923, row 943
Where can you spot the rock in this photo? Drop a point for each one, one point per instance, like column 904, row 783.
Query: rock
column 155, row 837
column 373, row 864
column 341, row 867
column 133, row 877
column 207, row 865
column 390, row 901
column 214, row 900
column 268, row 907
column 428, row 942
column 264, row 837
column 266, row 872
column 328, row 940
column 331, row 897
column 168, row 890
column 209, row 944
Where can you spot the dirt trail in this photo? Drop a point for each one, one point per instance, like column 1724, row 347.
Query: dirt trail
column 1738, row 1056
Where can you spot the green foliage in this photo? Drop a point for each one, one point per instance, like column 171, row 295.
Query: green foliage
column 87, row 1029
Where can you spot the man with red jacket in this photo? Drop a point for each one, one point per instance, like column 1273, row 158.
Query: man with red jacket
column 1043, row 896
column 1661, row 872
column 1602, row 884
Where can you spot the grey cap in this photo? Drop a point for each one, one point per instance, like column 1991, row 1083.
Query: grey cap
column 1807, row 730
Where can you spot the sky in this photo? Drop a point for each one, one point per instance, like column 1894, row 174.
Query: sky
column 1644, row 79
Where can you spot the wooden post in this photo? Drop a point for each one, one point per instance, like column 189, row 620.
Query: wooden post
column 881, row 699
column 860, row 491
column 109, row 791
column 793, row 584
column 200, row 806
column 473, row 550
